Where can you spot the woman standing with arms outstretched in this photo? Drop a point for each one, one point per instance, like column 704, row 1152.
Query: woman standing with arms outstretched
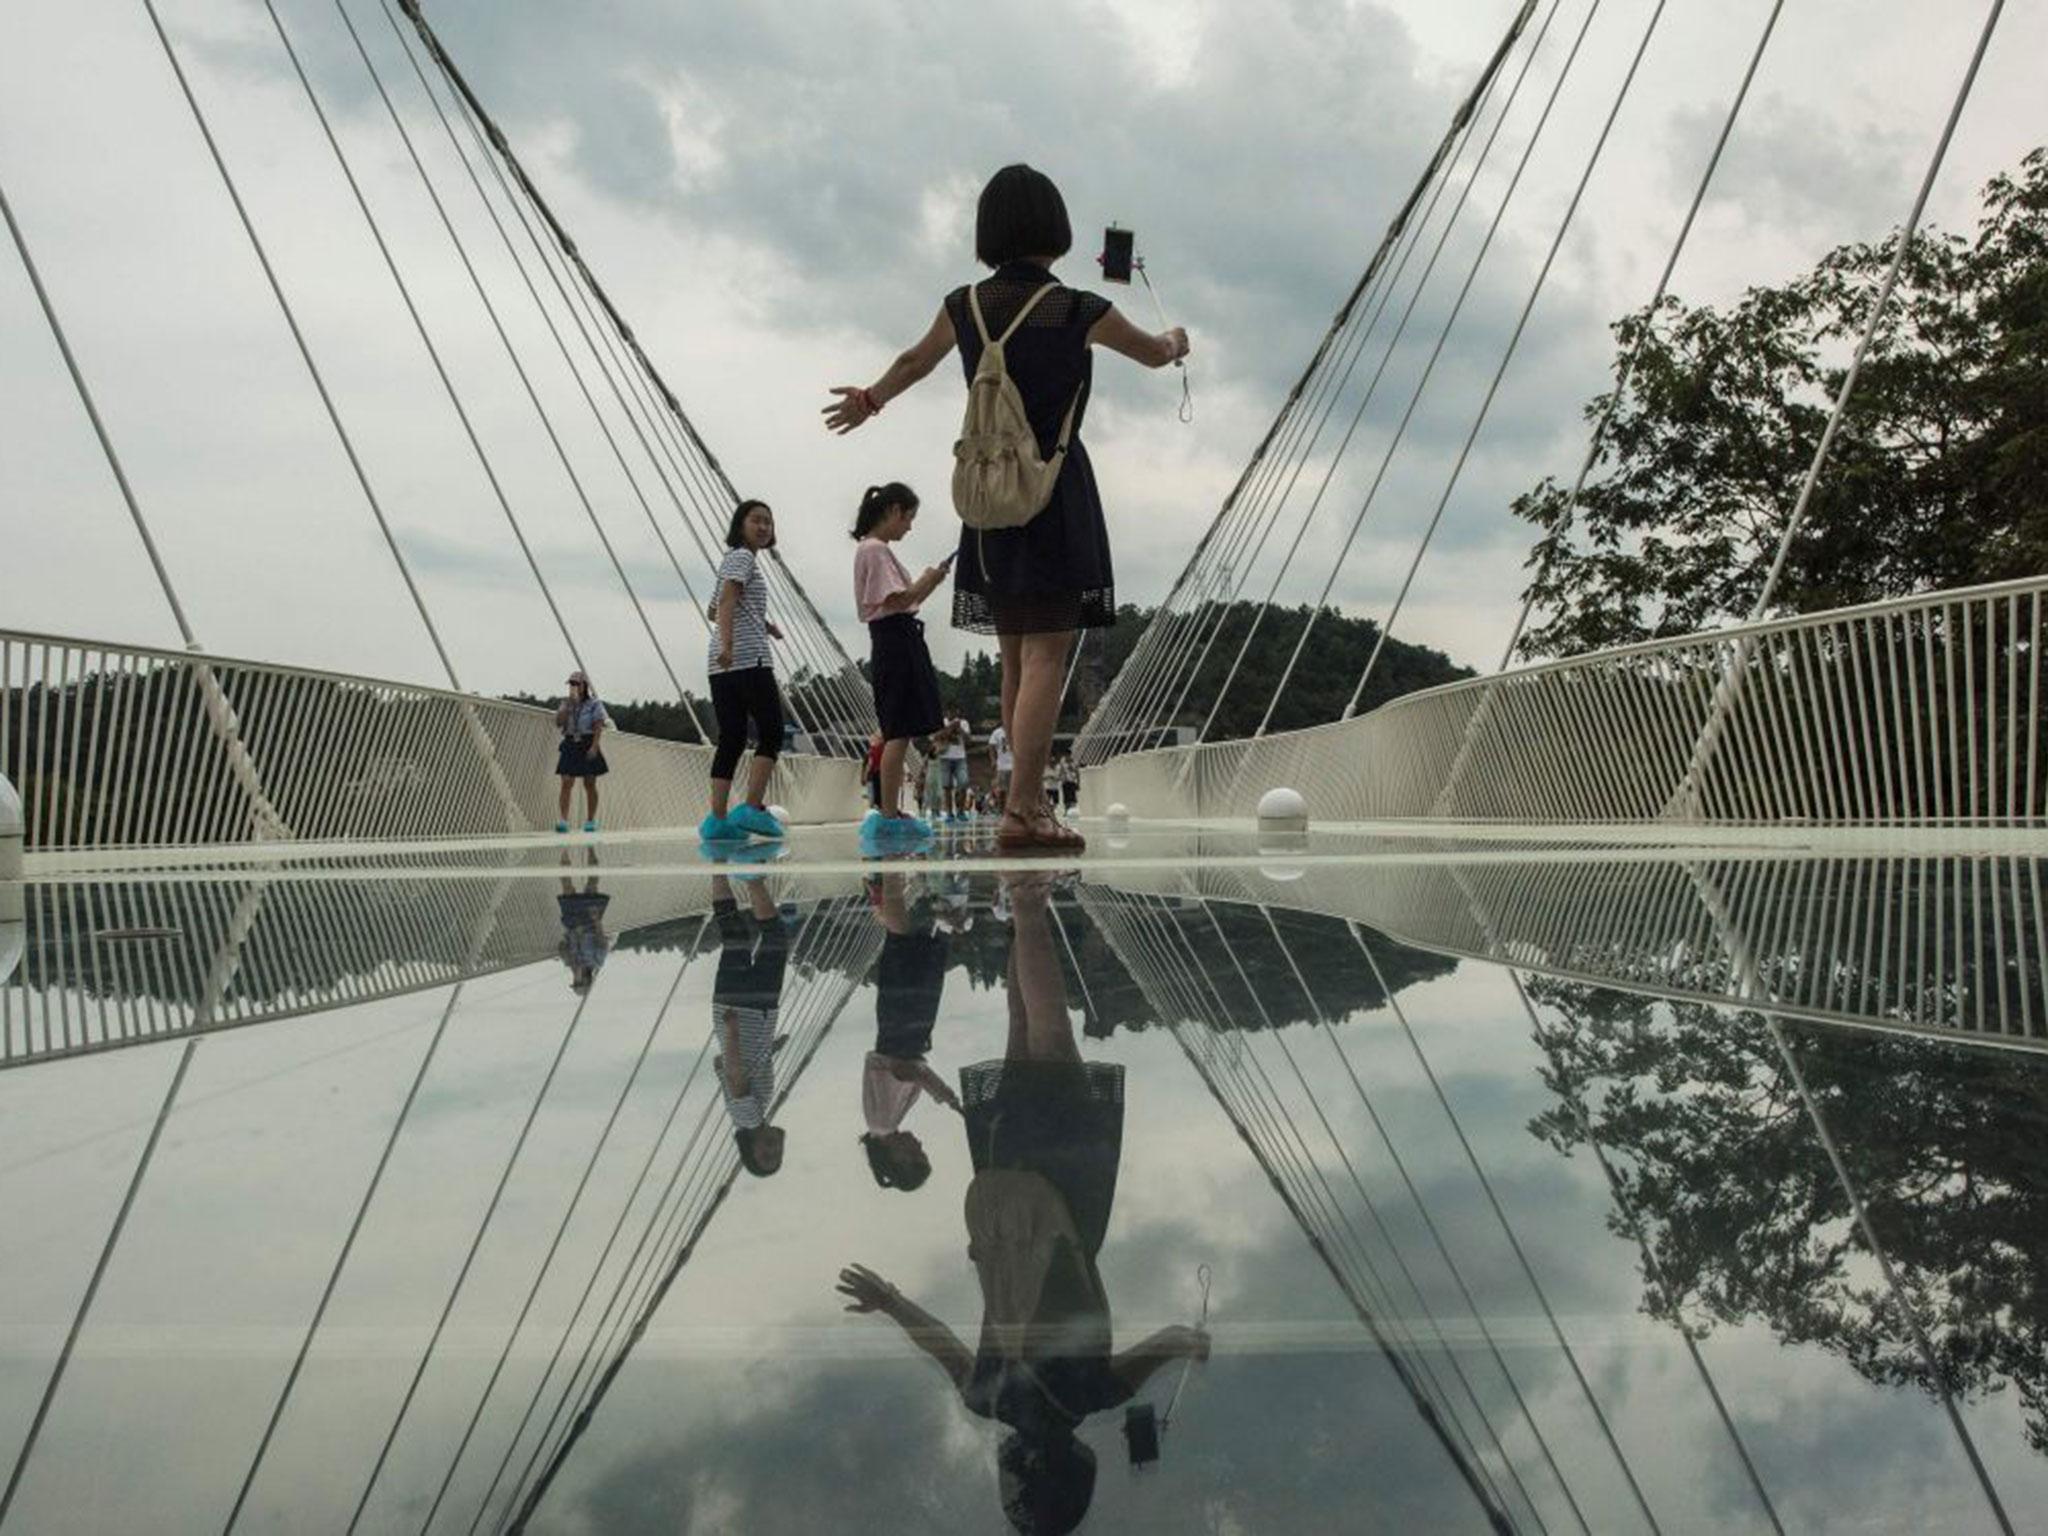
column 1032, row 586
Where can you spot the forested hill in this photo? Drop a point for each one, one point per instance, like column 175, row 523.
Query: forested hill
column 1329, row 669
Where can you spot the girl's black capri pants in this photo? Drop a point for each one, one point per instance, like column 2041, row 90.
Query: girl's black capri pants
column 737, row 698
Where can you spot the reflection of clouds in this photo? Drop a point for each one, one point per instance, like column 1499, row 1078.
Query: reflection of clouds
column 753, row 1404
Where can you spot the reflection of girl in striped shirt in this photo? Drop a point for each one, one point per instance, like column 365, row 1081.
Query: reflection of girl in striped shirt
column 743, row 688
column 746, row 997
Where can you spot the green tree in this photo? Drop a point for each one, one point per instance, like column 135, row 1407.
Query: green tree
column 1937, row 477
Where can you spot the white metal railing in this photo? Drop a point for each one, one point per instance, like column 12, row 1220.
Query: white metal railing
column 1916, row 710
column 130, row 746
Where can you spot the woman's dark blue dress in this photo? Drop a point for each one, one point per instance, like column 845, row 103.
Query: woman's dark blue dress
column 1054, row 573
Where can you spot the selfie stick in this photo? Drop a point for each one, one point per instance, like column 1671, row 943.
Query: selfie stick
column 1144, row 1426
column 1187, row 399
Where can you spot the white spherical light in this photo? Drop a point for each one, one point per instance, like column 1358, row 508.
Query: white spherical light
column 11, row 896
column 10, row 831
column 1282, row 810
column 1118, row 814
column 779, row 814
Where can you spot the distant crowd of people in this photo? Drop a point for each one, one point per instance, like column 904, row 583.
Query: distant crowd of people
column 935, row 782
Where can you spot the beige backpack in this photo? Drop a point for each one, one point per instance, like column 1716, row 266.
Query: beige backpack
column 999, row 481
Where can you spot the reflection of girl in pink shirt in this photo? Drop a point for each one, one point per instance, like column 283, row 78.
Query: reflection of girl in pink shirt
column 887, row 598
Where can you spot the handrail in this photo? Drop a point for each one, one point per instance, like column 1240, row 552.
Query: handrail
column 115, row 745
column 1855, row 715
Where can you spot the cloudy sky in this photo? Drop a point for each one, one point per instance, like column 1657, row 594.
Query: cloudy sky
column 777, row 196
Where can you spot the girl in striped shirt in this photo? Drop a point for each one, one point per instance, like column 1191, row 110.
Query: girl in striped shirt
column 743, row 688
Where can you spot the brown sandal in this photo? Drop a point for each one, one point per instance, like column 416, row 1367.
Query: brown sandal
column 1040, row 834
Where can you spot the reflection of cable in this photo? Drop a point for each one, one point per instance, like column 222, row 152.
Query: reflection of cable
column 1187, row 399
column 1188, row 1365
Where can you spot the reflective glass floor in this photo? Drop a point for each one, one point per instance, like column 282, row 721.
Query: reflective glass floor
column 1352, row 1184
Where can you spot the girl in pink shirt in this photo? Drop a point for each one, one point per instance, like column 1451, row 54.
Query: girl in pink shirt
column 906, row 686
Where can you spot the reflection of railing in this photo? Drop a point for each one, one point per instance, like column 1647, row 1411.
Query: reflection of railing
column 128, row 746
column 1924, row 709
column 110, row 965
column 1948, row 946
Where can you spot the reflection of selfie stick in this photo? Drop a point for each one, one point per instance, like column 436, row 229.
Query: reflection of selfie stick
column 1144, row 1426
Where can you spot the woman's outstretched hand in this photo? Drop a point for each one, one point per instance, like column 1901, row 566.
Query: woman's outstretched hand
column 854, row 406
column 868, row 1291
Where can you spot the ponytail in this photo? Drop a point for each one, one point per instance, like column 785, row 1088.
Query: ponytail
column 875, row 503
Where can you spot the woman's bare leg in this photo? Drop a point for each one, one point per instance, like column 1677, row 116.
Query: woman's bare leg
column 590, row 799
column 1035, row 975
column 1035, row 712
column 562, row 800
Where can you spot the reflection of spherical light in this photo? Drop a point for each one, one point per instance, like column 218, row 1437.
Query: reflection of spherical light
column 1272, row 844
column 1118, row 815
column 1281, row 874
column 1116, row 844
column 1282, row 810
column 10, row 831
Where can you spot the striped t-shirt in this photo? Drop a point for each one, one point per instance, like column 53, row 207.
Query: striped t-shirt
column 750, row 615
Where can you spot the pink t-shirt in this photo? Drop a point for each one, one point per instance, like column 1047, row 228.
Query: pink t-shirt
column 876, row 574
column 885, row 1098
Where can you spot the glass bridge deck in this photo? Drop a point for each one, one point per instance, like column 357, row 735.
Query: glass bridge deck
column 1581, row 1185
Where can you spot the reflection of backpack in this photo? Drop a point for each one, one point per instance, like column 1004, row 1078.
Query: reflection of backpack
column 999, row 481
column 1016, row 1225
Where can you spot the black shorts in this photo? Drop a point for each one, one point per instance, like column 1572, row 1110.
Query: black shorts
column 906, row 686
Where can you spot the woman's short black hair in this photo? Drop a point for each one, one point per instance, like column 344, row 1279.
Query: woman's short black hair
column 875, row 503
column 1021, row 213
column 1047, row 1482
column 735, row 535
column 905, row 1168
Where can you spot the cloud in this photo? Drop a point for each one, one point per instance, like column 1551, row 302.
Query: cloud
column 777, row 196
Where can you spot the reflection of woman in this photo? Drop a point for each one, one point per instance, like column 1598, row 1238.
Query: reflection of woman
column 584, row 942
column 1045, row 1130
column 746, row 996
column 910, row 978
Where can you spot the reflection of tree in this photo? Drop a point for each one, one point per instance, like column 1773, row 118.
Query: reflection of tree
column 1320, row 947
column 1743, row 1214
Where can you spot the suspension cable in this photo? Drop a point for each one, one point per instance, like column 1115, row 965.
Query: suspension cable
column 1089, row 732
column 483, row 458
column 1635, row 352
column 604, row 1137
column 573, row 256
column 1507, row 356
column 1400, row 330
column 341, row 1258
column 291, row 321
column 1436, row 353
column 99, row 427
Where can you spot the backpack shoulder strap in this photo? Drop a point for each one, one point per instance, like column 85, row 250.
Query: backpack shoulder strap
column 974, row 308
column 1022, row 314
